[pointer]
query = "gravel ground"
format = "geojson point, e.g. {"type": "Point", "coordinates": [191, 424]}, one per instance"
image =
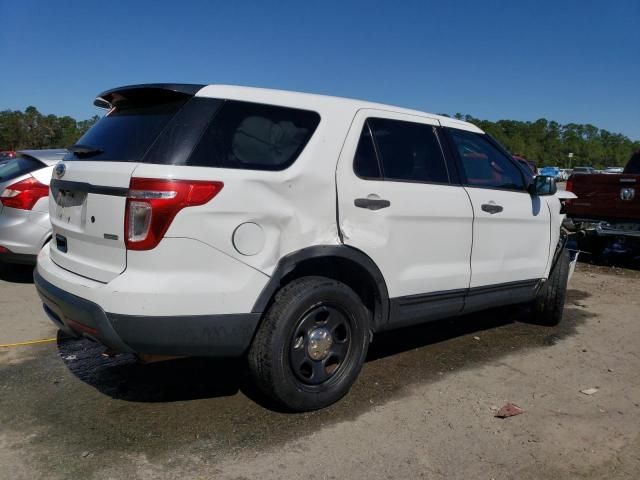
{"type": "Point", "coordinates": [423, 407]}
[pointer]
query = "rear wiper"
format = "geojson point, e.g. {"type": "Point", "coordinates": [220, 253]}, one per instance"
{"type": "Point", "coordinates": [85, 150]}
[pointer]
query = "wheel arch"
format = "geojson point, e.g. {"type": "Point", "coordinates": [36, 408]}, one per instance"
{"type": "Point", "coordinates": [339, 262]}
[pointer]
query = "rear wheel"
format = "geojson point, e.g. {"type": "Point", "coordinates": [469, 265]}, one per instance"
{"type": "Point", "coordinates": [311, 344]}
{"type": "Point", "coordinates": [548, 306]}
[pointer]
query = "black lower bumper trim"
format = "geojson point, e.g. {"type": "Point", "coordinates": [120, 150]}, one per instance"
{"type": "Point", "coordinates": [19, 258]}
{"type": "Point", "coordinates": [194, 335]}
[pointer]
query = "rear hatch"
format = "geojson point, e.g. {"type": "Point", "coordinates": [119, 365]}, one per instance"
{"type": "Point", "coordinates": [89, 188]}
{"type": "Point", "coordinates": [604, 197]}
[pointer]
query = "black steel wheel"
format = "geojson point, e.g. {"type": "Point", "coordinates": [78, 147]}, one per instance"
{"type": "Point", "coordinates": [320, 344]}
{"type": "Point", "coordinates": [311, 344]}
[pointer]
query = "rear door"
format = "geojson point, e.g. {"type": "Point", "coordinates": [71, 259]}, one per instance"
{"type": "Point", "coordinates": [397, 204]}
{"type": "Point", "coordinates": [511, 228]}
{"type": "Point", "coordinates": [89, 188]}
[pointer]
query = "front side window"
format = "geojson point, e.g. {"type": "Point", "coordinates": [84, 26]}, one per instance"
{"type": "Point", "coordinates": [254, 136]}
{"type": "Point", "coordinates": [484, 164]}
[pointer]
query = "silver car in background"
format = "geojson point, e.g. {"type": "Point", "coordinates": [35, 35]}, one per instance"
{"type": "Point", "coordinates": [24, 206]}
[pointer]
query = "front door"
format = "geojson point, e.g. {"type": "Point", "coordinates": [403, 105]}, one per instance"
{"type": "Point", "coordinates": [511, 228]}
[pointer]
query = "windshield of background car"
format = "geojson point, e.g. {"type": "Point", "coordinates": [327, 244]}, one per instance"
{"type": "Point", "coordinates": [16, 167]}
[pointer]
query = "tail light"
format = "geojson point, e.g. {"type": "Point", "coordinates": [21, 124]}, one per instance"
{"type": "Point", "coordinates": [569, 186]}
{"type": "Point", "coordinates": [24, 194]}
{"type": "Point", "coordinates": [152, 204]}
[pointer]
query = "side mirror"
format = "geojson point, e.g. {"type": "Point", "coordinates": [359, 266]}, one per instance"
{"type": "Point", "coordinates": [543, 185]}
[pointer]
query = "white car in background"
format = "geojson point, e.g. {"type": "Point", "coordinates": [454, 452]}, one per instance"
{"type": "Point", "coordinates": [24, 206]}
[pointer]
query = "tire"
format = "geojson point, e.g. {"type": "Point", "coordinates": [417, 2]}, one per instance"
{"type": "Point", "coordinates": [548, 306]}
{"type": "Point", "coordinates": [311, 344]}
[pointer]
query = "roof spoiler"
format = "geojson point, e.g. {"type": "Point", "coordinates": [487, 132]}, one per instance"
{"type": "Point", "coordinates": [149, 92]}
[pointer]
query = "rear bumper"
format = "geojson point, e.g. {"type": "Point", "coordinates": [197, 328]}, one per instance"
{"type": "Point", "coordinates": [20, 258]}
{"type": "Point", "coordinates": [196, 335]}
{"type": "Point", "coordinates": [623, 230]}
{"type": "Point", "coordinates": [607, 228]}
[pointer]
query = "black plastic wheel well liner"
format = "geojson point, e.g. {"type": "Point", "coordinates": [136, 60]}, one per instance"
{"type": "Point", "coordinates": [562, 243]}
{"type": "Point", "coordinates": [339, 262]}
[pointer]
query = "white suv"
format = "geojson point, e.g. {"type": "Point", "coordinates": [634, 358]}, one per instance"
{"type": "Point", "coordinates": [290, 228]}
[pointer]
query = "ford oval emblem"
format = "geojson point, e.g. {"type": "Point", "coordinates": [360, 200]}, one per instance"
{"type": "Point", "coordinates": [60, 170]}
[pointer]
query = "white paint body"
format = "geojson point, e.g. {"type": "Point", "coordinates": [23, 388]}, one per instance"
{"type": "Point", "coordinates": [218, 257]}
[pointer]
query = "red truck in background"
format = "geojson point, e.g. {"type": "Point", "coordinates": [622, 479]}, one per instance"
{"type": "Point", "coordinates": [607, 210]}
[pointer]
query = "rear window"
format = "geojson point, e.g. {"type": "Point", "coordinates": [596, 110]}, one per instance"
{"type": "Point", "coordinates": [199, 132]}
{"type": "Point", "coordinates": [127, 132]}
{"type": "Point", "coordinates": [16, 167]}
{"type": "Point", "coordinates": [633, 167]}
{"type": "Point", "coordinates": [254, 136]}
{"type": "Point", "coordinates": [409, 151]}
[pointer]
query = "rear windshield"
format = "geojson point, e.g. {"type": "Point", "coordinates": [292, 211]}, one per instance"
{"type": "Point", "coordinates": [16, 167]}
{"type": "Point", "coordinates": [127, 132]}
{"type": "Point", "coordinates": [201, 132]}
{"type": "Point", "coordinates": [633, 167]}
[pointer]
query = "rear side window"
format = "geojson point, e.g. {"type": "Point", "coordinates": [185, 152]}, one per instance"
{"type": "Point", "coordinates": [16, 167]}
{"type": "Point", "coordinates": [254, 136]}
{"type": "Point", "coordinates": [365, 163]}
{"type": "Point", "coordinates": [484, 164]}
{"type": "Point", "coordinates": [127, 132]}
{"type": "Point", "coordinates": [409, 151]}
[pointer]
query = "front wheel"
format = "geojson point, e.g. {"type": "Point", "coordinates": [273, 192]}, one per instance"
{"type": "Point", "coordinates": [311, 344]}
{"type": "Point", "coordinates": [548, 306]}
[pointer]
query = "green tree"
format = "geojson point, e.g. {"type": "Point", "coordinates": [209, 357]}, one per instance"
{"type": "Point", "coordinates": [32, 130]}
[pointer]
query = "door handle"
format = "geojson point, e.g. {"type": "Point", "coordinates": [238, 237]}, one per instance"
{"type": "Point", "coordinates": [491, 208]}
{"type": "Point", "coordinates": [371, 203]}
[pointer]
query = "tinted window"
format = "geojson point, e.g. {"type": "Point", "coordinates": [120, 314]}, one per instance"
{"type": "Point", "coordinates": [254, 136]}
{"type": "Point", "coordinates": [409, 151]}
{"type": "Point", "coordinates": [365, 163]}
{"type": "Point", "coordinates": [17, 167]}
{"type": "Point", "coordinates": [125, 134]}
{"type": "Point", "coordinates": [633, 166]}
{"type": "Point", "coordinates": [484, 164]}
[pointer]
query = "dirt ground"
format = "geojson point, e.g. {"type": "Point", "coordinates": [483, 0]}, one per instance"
{"type": "Point", "coordinates": [423, 407]}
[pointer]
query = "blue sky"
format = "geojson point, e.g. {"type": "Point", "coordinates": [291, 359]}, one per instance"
{"type": "Point", "coordinates": [566, 60]}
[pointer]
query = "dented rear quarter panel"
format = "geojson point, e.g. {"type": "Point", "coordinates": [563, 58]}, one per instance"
{"type": "Point", "coordinates": [295, 207]}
